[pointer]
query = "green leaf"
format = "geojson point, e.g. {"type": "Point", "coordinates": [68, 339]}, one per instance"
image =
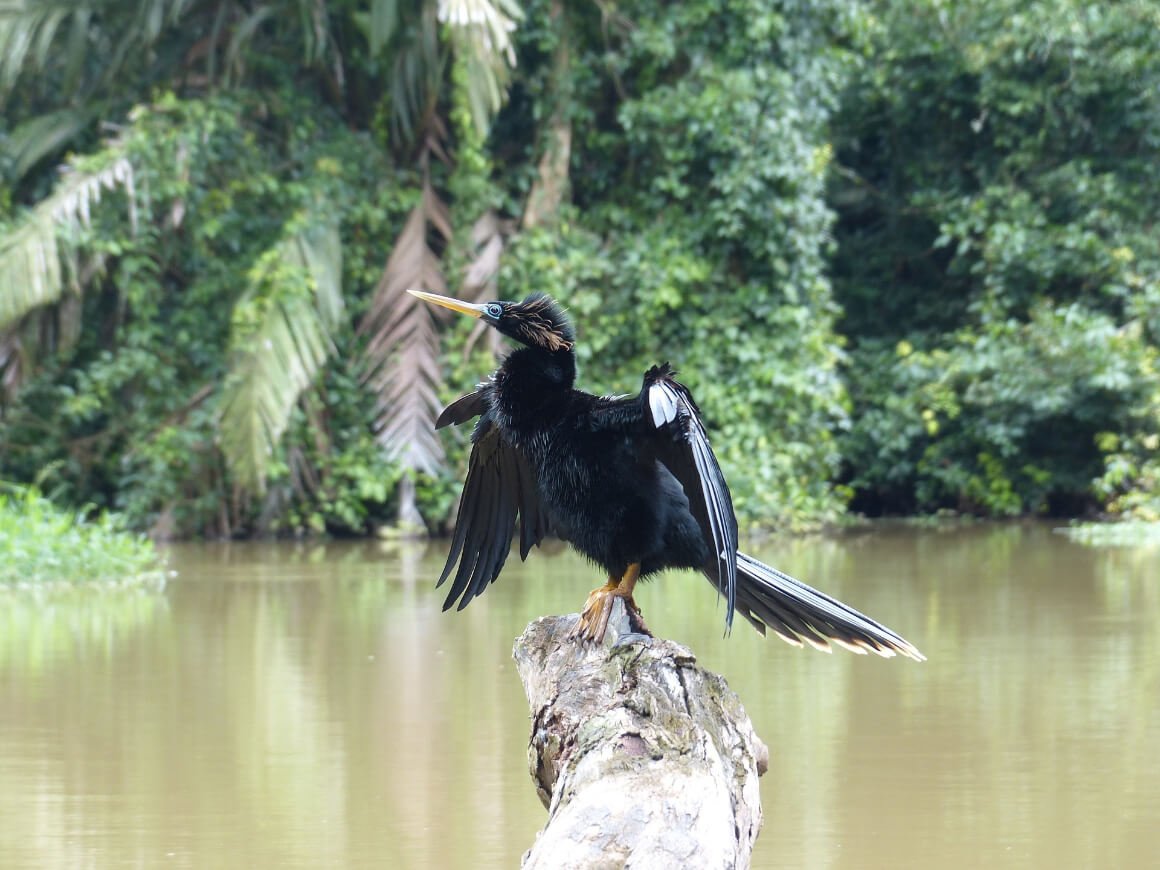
{"type": "Point", "coordinates": [38, 137]}
{"type": "Point", "coordinates": [31, 274]}
{"type": "Point", "coordinates": [282, 337]}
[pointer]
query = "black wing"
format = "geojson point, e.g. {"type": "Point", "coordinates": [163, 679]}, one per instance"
{"type": "Point", "coordinates": [463, 409]}
{"type": "Point", "coordinates": [673, 422]}
{"type": "Point", "coordinates": [763, 595]}
{"type": "Point", "coordinates": [500, 485]}
{"type": "Point", "coordinates": [687, 454]}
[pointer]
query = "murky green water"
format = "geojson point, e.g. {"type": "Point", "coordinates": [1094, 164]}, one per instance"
{"type": "Point", "coordinates": [310, 706]}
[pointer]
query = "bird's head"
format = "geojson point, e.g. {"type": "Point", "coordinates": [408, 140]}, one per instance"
{"type": "Point", "coordinates": [538, 321]}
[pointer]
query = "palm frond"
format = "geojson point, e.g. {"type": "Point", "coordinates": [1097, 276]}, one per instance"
{"type": "Point", "coordinates": [242, 34]}
{"type": "Point", "coordinates": [551, 184]}
{"type": "Point", "coordinates": [11, 363]}
{"type": "Point", "coordinates": [416, 69]}
{"type": "Point", "coordinates": [315, 29]}
{"type": "Point", "coordinates": [489, 236]}
{"type": "Point", "coordinates": [402, 354]}
{"type": "Point", "coordinates": [27, 29]}
{"type": "Point", "coordinates": [382, 22]}
{"type": "Point", "coordinates": [30, 33]}
{"type": "Point", "coordinates": [494, 21]}
{"type": "Point", "coordinates": [34, 139]}
{"type": "Point", "coordinates": [282, 337]}
{"type": "Point", "coordinates": [32, 260]}
{"type": "Point", "coordinates": [482, 32]}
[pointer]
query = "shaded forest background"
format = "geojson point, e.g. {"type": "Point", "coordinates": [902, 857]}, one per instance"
{"type": "Point", "coordinates": [904, 253]}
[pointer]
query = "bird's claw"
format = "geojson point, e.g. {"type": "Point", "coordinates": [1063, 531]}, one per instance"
{"type": "Point", "coordinates": [593, 622]}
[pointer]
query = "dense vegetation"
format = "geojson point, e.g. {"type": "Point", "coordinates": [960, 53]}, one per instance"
{"type": "Point", "coordinates": [997, 259]}
{"type": "Point", "coordinates": [213, 208]}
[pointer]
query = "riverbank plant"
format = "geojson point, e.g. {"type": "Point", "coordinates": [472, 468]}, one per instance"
{"type": "Point", "coordinates": [41, 544]}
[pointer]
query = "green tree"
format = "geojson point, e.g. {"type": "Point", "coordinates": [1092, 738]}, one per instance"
{"type": "Point", "coordinates": [184, 349]}
{"type": "Point", "coordinates": [997, 262]}
{"type": "Point", "coordinates": [698, 227]}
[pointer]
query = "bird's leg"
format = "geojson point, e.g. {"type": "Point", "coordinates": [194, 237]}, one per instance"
{"type": "Point", "coordinates": [594, 617]}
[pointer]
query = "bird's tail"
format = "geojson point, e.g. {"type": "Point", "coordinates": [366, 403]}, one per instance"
{"type": "Point", "coordinates": [799, 613]}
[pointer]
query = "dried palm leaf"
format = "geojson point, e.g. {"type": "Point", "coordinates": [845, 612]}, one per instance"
{"type": "Point", "coordinates": [489, 236]}
{"type": "Point", "coordinates": [402, 353]}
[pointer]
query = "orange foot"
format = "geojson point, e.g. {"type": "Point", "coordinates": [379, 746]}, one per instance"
{"type": "Point", "coordinates": [594, 617]}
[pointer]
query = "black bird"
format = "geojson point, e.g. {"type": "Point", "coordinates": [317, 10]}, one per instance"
{"type": "Point", "coordinates": [630, 481]}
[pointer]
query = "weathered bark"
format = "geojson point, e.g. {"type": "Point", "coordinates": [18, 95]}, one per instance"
{"type": "Point", "coordinates": [643, 758]}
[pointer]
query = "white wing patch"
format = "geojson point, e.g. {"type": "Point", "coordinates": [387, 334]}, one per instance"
{"type": "Point", "coordinates": [662, 401]}
{"type": "Point", "coordinates": [670, 405]}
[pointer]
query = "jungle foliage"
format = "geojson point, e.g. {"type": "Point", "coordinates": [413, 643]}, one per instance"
{"type": "Point", "coordinates": [997, 258]}
{"type": "Point", "coordinates": [212, 208]}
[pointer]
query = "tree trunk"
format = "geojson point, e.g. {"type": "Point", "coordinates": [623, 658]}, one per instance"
{"type": "Point", "coordinates": [642, 758]}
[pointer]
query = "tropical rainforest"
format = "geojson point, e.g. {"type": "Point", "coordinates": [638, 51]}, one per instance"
{"type": "Point", "coordinates": [904, 254]}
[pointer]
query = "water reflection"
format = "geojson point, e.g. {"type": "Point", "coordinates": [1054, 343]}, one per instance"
{"type": "Point", "coordinates": [310, 706]}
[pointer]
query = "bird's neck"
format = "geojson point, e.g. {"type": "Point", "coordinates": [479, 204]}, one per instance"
{"type": "Point", "coordinates": [533, 384]}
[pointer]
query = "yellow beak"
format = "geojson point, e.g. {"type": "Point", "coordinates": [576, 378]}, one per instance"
{"type": "Point", "coordinates": [447, 302]}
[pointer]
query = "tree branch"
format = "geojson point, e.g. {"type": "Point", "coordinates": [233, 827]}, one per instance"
{"type": "Point", "coordinates": [641, 756]}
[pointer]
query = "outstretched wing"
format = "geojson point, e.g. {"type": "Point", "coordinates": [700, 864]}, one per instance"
{"type": "Point", "coordinates": [683, 447]}
{"type": "Point", "coordinates": [500, 486]}
{"type": "Point", "coordinates": [672, 427]}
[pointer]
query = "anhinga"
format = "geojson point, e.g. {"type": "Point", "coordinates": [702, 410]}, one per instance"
{"type": "Point", "coordinates": [629, 481]}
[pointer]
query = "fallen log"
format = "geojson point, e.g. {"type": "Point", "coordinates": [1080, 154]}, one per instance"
{"type": "Point", "coordinates": [642, 758]}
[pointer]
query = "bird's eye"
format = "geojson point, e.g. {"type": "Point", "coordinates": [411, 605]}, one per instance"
{"type": "Point", "coordinates": [494, 310]}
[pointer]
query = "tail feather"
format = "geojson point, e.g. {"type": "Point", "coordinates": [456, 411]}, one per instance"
{"type": "Point", "coordinates": [799, 613]}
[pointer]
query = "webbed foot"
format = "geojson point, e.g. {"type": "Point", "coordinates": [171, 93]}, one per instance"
{"type": "Point", "coordinates": [593, 622]}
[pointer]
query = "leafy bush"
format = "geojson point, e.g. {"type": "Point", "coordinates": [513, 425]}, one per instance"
{"type": "Point", "coordinates": [45, 545]}
{"type": "Point", "coordinates": [1009, 421]}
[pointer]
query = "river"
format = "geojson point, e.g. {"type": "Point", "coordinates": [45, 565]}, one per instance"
{"type": "Point", "coordinates": [309, 706]}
